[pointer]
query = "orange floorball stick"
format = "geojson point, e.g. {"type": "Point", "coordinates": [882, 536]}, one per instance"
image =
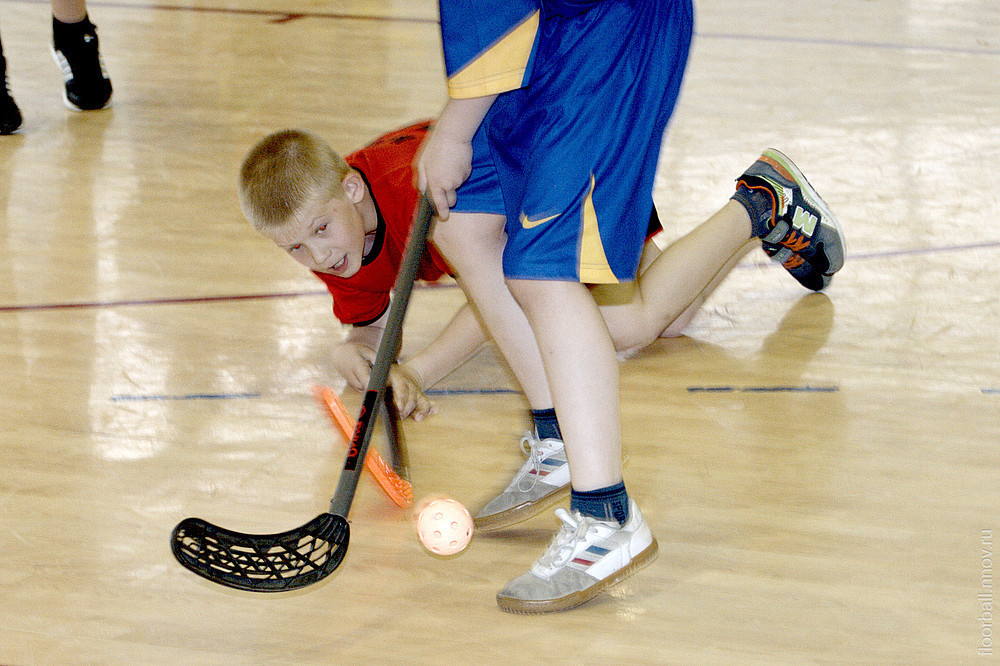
{"type": "Point", "coordinates": [397, 488]}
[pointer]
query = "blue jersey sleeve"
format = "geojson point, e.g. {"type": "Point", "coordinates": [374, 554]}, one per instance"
{"type": "Point", "coordinates": [489, 46]}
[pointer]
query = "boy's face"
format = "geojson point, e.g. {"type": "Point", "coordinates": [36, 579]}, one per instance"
{"type": "Point", "coordinates": [327, 235]}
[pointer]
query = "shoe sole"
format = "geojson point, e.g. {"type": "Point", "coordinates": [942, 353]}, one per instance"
{"type": "Point", "coordinates": [521, 512]}
{"type": "Point", "coordinates": [532, 607]}
{"type": "Point", "coordinates": [828, 220]}
{"type": "Point", "coordinates": [73, 107]}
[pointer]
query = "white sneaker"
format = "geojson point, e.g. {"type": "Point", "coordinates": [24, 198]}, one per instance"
{"type": "Point", "coordinates": [542, 481]}
{"type": "Point", "coordinates": [586, 557]}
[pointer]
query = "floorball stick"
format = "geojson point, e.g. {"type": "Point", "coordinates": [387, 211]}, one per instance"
{"type": "Point", "coordinates": [307, 554]}
{"type": "Point", "coordinates": [400, 460]}
{"type": "Point", "coordinates": [396, 487]}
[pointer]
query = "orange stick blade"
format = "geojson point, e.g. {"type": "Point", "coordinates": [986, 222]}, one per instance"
{"type": "Point", "coordinates": [397, 488]}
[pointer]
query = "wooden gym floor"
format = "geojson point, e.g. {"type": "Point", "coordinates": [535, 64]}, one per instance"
{"type": "Point", "coordinates": [821, 471]}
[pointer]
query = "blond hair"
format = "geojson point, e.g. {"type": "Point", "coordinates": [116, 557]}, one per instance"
{"type": "Point", "coordinates": [284, 172]}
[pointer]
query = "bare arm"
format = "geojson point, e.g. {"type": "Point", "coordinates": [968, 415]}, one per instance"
{"type": "Point", "coordinates": [459, 340]}
{"type": "Point", "coordinates": [446, 158]}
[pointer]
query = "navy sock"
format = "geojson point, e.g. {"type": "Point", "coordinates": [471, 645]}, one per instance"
{"type": "Point", "coordinates": [759, 207]}
{"type": "Point", "coordinates": [604, 503]}
{"type": "Point", "coordinates": [546, 424]}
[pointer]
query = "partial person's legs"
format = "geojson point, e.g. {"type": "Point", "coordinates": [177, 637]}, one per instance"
{"type": "Point", "coordinates": [798, 229]}
{"type": "Point", "coordinates": [604, 538]}
{"type": "Point", "coordinates": [69, 11]}
{"type": "Point", "coordinates": [579, 359]}
{"type": "Point", "coordinates": [473, 243]}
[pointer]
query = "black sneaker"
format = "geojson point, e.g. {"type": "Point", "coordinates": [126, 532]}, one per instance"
{"type": "Point", "coordinates": [88, 86]}
{"type": "Point", "coordinates": [10, 115]}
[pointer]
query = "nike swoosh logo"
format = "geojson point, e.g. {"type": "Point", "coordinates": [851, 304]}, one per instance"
{"type": "Point", "coordinates": [531, 224]}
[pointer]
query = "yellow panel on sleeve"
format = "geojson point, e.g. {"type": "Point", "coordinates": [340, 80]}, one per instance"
{"type": "Point", "coordinates": [594, 268]}
{"type": "Point", "coordinates": [500, 67]}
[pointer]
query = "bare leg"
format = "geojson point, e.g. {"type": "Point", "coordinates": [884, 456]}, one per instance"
{"type": "Point", "coordinates": [580, 361]}
{"type": "Point", "coordinates": [677, 282]}
{"type": "Point", "coordinates": [69, 11]}
{"type": "Point", "coordinates": [473, 243]}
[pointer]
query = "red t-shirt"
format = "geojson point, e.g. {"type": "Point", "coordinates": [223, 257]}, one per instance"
{"type": "Point", "coordinates": [387, 168]}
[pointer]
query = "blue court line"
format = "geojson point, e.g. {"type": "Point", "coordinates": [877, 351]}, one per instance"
{"type": "Point", "coordinates": [164, 397]}
{"type": "Point", "coordinates": [986, 245]}
{"type": "Point", "coordinates": [886, 254]}
{"type": "Point", "coordinates": [488, 391]}
{"type": "Point", "coordinates": [184, 396]}
{"type": "Point", "coordinates": [819, 41]}
{"type": "Point", "coordinates": [473, 391]}
{"type": "Point", "coordinates": [763, 389]}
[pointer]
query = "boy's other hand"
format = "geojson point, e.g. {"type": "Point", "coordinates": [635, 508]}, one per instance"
{"type": "Point", "coordinates": [407, 387]}
{"type": "Point", "coordinates": [354, 363]}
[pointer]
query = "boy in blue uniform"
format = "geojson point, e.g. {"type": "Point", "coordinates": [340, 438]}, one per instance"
{"type": "Point", "coordinates": [562, 109]}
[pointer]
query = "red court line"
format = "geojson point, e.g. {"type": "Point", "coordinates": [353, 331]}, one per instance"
{"type": "Point", "coordinates": [94, 305]}
{"type": "Point", "coordinates": [279, 15]}
{"type": "Point", "coordinates": [284, 16]}
{"type": "Point", "coordinates": [158, 301]}
{"type": "Point", "coordinates": [424, 285]}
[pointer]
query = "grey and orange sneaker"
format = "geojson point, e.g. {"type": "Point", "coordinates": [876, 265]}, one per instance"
{"type": "Point", "coordinates": [792, 216]}
{"type": "Point", "coordinates": [799, 268]}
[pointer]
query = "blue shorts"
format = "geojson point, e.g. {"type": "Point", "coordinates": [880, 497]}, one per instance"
{"type": "Point", "coordinates": [480, 193]}
{"type": "Point", "coordinates": [576, 149]}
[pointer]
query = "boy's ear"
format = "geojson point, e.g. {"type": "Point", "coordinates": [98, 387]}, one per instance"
{"type": "Point", "coordinates": [353, 186]}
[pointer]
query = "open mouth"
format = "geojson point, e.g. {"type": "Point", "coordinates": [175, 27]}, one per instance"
{"type": "Point", "coordinates": [339, 266]}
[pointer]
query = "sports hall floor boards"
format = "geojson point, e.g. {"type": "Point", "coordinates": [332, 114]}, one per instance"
{"type": "Point", "coordinates": [821, 470]}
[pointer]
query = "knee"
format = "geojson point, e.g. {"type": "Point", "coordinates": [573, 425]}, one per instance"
{"type": "Point", "coordinates": [464, 234]}
{"type": "Point", "coordinates": [444, 236]}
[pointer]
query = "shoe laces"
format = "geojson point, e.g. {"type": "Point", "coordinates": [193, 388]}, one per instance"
{"type": "Point", "coordinates": [575, 527]}
{"type": "Point", "coordinates": [536, 450]}
{"type": "Point", "coordinates": [796, 241]}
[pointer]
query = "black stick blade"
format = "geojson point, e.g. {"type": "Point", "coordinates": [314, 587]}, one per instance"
{"type": "Point", "coordinates": [262, 562]}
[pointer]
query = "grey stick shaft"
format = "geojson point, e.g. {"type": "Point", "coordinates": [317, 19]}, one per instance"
{"type": "Point", "coordinates": [384, 358]}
